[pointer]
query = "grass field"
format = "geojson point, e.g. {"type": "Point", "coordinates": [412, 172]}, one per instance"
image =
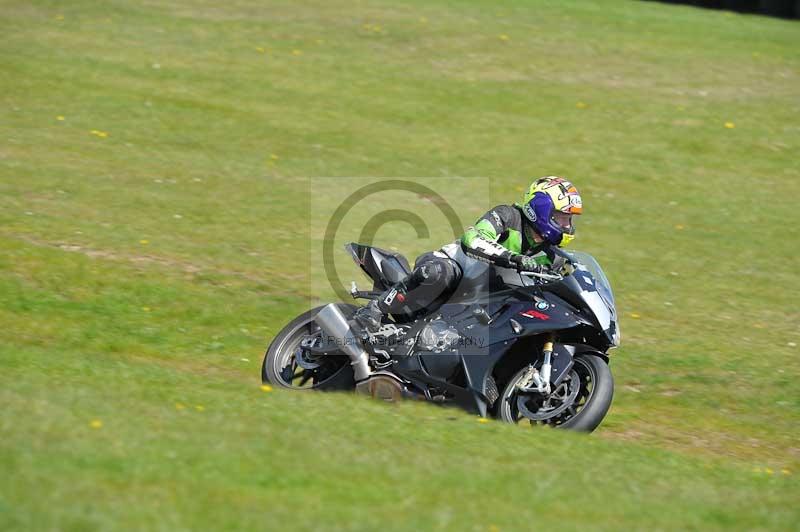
{"type": "Point", "coordinates": [160, 167]}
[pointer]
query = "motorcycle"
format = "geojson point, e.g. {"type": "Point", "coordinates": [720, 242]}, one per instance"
{"type": "Point", "coordinates": [523, 347]}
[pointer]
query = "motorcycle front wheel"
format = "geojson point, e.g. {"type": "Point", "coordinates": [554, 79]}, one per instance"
{"type": "Point", "coordinates": [580, 402]}
{"type": "Point", "coordinates": [282, 367]}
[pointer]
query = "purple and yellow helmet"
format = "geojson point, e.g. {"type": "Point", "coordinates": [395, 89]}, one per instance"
{"type": "Point", "coordinates": [550, 204]}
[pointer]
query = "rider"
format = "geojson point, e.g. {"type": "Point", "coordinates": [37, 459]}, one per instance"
{"type": "Point", "coordinates": [508, 236]}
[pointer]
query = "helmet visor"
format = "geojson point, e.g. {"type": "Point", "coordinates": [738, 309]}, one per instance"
{"type": "Point", "coordinates": [565, 221]}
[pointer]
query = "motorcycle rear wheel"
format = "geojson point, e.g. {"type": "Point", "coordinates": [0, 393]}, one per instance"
{"type": "Point", "coordinates": [280, 367]}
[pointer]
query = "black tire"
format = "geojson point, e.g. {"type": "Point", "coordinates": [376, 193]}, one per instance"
{"type": "Point", "coordinates": [590, 368]}
{"type": "Point", "coordinates": [276, 355]}
{"type": "Point", "coordinates": [599, 402]}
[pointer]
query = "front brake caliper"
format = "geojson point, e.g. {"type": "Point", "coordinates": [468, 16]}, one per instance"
{"type": "Point", "coordinates": [527, 380]}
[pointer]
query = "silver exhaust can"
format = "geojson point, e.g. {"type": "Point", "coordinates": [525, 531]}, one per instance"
{"type": "Point", "coordinates": [335, 325]}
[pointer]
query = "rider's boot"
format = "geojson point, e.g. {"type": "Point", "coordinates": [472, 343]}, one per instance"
{"type": "Point", "coordinates": [369, 316]}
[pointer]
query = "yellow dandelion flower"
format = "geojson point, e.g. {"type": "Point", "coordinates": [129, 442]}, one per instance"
{"type": "Point", "coordinates": [581, 105]}
{"type": "Point", "coordinates": [730, 125]}
{"type": "Point", "coordinates": [786, 472]}
{"type": "Point", "coordinates": [423, 20]}
{"type": "Point", "coordinates": [199, 408]}
{"type": "Point", "coordinates": [95, 423]}
{"type": "Point", "coordinates": [60, 118]}
{"type": "Point", "coordinates": [297, 52]}
{"type": "Point", "coordinates": [144, 242]}
{"type": "Point", "coordinates": [179, 406]}
{"type": "Point", "coordinates": [503, 37]}
{"type": "Point", "coordinates": [146, 309]}
{"type": "Point", "coordinates": [98, 133]}
{"type": "Point", "coordinates": [679, 227]}
{"type": "Point", "coordinates": [482, 420]}
{"type": "Point", "coordinates": [266, 388]}
{"type": "Point", "coordinates": [634, 315]}
{"type": "Point", "coordinates": [769, 471]}
{"type": "Point", "coordinates": [273, 157]}
{"type": "Point", "coordinates": [260, 50]}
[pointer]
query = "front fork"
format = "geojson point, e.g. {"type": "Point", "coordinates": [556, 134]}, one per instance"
{"type": "Point", "coordinates": [535, 380]}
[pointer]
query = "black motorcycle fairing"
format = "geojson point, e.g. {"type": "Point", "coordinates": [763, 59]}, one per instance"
{"type": "Point", "coordinates": [534, 318]}
{"type": "Point", "coordinates": [411, 369]}
{"type": "Point", "coordinates": [439, 365]}
{"type": "Point", "coordinates": [385, 268]}
{"type": "Point", "coordinates": [535, 314]}
{"type": "Point", "coordinates": [571, 289]}
{"type": "Point", "coordinates": [483, 345]}
{"type": "Point", "coordinates": [478, 367]}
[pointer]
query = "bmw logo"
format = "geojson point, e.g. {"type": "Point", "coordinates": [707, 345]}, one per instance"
{"type": "Point", "coordinates": [542, 305]}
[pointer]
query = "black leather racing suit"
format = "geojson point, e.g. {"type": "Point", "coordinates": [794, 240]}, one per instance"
{"type": "Point", "coordinates": [498, 237]}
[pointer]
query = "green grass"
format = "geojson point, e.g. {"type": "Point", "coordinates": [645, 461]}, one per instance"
{"type": "Point", "coordinates": [143, 272]}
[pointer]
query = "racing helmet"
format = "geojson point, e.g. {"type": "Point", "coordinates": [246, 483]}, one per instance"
{"type": "Point", "coordinates": [550, 204]}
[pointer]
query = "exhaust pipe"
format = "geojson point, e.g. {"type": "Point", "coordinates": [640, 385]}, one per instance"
{"type": "Point", "coordinates": [335, 325]}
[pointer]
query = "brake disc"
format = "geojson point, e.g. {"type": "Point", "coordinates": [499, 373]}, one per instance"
{"type": "Point", "coordinates": [546, 412]}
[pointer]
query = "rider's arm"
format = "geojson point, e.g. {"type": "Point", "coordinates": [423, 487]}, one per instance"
{"type": "Point", "coordinates": [481, 240]}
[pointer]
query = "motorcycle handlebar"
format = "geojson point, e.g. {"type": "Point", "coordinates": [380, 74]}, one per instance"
{"type": "Point", "coordinates": [546, 276]}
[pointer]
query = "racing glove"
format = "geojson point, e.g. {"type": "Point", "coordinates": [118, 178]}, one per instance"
{"type": "Point", "coordinates": [525, 263]}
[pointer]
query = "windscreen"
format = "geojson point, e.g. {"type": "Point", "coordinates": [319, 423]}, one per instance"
{"type": "Point", "coordinates": [603, 285]}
